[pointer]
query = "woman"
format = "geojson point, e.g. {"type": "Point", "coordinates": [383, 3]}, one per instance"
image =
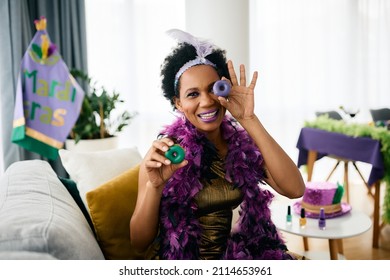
{"type": "Point", "coordinates": [184, 211]}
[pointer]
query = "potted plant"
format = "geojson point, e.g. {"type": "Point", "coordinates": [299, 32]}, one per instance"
{"type": "Point", "coordinates": [96, 119]}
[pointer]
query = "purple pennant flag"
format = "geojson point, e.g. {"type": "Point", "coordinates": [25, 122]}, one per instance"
{"type": "Point", "coordinates": [48, 98]}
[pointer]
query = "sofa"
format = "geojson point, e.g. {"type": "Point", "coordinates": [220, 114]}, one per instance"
{"type": "Point", "coordinates": [84, 217]}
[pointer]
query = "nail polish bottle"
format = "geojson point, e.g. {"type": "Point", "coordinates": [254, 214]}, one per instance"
{"type": "Point", "coordinates": [288, 216]}
{"type": "Point", "coordinates": [321, 220]}
{"type": "Point", "coordinates": [302, 220]}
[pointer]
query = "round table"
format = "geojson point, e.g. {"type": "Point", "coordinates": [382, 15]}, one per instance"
{"type": "Point", "coordinates": [338, 228]}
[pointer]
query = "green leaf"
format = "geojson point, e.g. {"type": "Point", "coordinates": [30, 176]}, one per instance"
{"type": "Point", "coordinates": [37, 49]}
{"type": "Point", "coordinates": [88, 122]}
{"type": "Point", "coordinates": [338, 194]}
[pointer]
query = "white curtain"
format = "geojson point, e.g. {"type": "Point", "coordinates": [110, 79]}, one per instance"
{"type": "Point", "coordinates": [126, 46]}
{"type": "Point", "coordinates": [311, 55]}
{"type": "Point", "coordinates": [315, 55]}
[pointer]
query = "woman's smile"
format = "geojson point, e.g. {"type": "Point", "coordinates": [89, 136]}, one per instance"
{"type": "Point", "coordinates": [197, 101]}
{"type": "Point", "coordinates": [209, 116]}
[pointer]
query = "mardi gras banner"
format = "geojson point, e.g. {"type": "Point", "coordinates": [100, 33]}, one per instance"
{"type": "Point", "coordinates": [48, 98]}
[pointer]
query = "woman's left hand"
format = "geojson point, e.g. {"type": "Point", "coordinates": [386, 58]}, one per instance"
{"type": "Point", "coordinates": [240, 101]}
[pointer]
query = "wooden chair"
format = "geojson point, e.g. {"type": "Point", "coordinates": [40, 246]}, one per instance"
{"type": "Point", "coordinates": [336, 116]}
{"type": "Point", "coordinates": [331, 114]}
{"type": "Point", "coordinates": [382, 114]}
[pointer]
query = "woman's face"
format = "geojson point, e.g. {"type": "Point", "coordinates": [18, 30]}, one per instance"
{"type": "Point", "coordinates": [197, 101]}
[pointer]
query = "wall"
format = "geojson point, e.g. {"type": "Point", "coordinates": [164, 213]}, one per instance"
{"type": "Point", "coordinates": [224, 22]}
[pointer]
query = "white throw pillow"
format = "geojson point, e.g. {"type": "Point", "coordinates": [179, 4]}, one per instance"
{"type": "Point", "coordinates": [91, 169]}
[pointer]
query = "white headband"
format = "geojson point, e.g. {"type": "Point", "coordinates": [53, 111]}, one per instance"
{"type": "Point", "coordinates": [203, 49]}
{"type": "Point", "coordinates": [189, 64]}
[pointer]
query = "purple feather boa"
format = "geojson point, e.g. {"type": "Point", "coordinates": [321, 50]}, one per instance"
{"type": "Point", "coordinates": [254, 236]}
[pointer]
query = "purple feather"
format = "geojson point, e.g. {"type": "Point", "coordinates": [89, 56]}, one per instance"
{"type": "Point", "coordinates": [52, 48]}
{"type": "Point", "coordinates": [254, 236]}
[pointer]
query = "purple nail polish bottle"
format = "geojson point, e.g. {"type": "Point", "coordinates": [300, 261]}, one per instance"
{"type": "Point", "coordinates": [321, 220]}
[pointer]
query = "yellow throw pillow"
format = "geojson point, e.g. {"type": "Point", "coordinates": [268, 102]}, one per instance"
{"type": "Point", "coordinates": [111, 206]}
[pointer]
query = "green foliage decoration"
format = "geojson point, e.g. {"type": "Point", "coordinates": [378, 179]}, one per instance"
{"type": "Point", "coordinates": [96, 120]}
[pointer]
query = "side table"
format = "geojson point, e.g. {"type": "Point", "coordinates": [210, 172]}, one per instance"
{"type": "Point", "coordinates": [314, 143]}
{"type": "Point", "coordinates": [351, 224]}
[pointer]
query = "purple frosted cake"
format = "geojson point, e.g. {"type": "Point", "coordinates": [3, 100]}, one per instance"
{"type": "Point", "coordinates": [325, 195]}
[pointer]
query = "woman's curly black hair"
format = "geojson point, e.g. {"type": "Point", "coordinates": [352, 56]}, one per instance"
{"type": "Point", "coordinates": [177, 58]}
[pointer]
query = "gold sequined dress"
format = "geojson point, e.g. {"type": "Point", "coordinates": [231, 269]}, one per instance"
{"type": "Point", "coordinates": [216, 202]}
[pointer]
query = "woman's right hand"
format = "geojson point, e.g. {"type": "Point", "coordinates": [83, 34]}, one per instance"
{"type": "Point", "coordinates": [159, 169]}
{"type": "Point", "coordinates": [154, 173]}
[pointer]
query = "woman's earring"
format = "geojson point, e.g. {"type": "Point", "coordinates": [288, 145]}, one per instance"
{"type": "Point", "coordinates": [182, 116]}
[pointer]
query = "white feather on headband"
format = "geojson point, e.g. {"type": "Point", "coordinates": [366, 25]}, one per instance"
{"type": "Point", "coordinates": [203, 47]}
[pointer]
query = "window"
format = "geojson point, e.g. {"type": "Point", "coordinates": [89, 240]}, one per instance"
{"type": "Point", "coordinates": [126, 46]}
